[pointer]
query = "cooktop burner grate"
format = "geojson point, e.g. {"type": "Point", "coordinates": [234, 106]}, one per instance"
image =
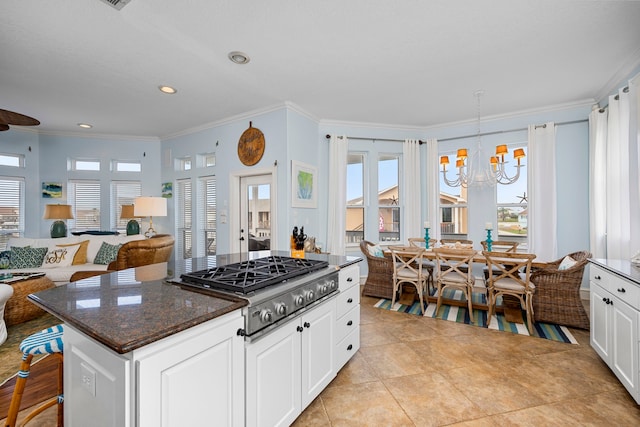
{"type": "Point", "coordinates": [251, 275]}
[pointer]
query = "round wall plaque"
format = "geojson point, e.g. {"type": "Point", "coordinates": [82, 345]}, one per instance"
{"type": "Point", "coordinates": [251, 146]}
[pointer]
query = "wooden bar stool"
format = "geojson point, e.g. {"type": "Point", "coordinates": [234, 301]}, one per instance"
{"type": "Point", "coordinates": [48, 341]}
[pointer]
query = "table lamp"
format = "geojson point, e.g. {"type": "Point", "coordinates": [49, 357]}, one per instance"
{"type": "Point", "coordinates": [150, 206]}
{"type": "Point", "coordinates": [133, 227]}
{"type": "Point", "coordinates": [58, 212]}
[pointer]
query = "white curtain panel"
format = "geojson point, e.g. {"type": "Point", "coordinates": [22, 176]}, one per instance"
{"type": "Point", "coordinates": [542, 218]}
{"type": "Point", "coordinates": [433, 188]}
{"type": "Point", "coordinates": [411, 189]}
{"type": "Point", "coordinates": [336, 215]}
{"type": "Point", "coordinates": [598, 182]}
{"type": "Point", "coordinates": [617, 187]}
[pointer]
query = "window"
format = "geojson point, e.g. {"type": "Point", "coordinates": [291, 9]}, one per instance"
{"type": "Point", "coordinates": [183, 218]}
{"type": "Point", "coordinates": [85, 165]}
{"type": "Point", "coordinates": [355, 198]}
{"type": "Point", "coordinates": [84, 196]}
{"type": "Point", "coordinates": [183, 164]}
{"type": "Point", "coordinates": [388, 198]}
{"type": "Point", "coordinates": [120, 166]}
{"type": "Point", "coordinates": [11, 209]}
{"type": "Point", "coordinates": [512, 205]}
{"type": "Point", "coordinates": [453, 208]}
{"type": "Point", "coordinates": [14, 160]}
{"type": "Point", "coordinates": [209, 214]}
{"type": "Point", "coordinates": [206, 160]}
{"type": "Point", "coordinates": [122, 193]}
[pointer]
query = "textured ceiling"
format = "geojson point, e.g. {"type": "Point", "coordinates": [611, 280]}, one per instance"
{"type": "Point", "coordinates": [411, 63]}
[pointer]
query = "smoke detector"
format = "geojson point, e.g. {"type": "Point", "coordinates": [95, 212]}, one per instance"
{"type": "Point", "coordinates": [118, 4]}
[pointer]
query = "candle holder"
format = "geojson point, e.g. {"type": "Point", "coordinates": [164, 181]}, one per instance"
{"type": "Point", "coordinates": [489, 241]}
{"type": "Point", "coordinates": [426, 237]}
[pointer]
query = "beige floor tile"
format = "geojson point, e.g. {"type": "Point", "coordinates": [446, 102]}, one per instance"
{"type": "Point", "coordinates": [368, 404]}
{"type": "Point", "coordinates": [393, 360]}
{"type": "Point", "coordinates": [431, 400]}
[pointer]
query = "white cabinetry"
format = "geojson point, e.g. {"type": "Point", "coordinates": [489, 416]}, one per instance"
{"type": "Point", "coordinates": [348, 315]}
{"type": "Point", "coordinates": [190, 378]}
{"type": "Point", "coordinates": [615, 316]}
{"type": "Point", "coordinates": [288, 367]}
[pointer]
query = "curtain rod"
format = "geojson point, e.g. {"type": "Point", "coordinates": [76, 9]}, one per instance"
{"type": "Point", "coordinates": [328, 136]}
{"type": "Point", "coordinates": [465, 136]}
{"type": "Point", "coordinates": [510, 130]}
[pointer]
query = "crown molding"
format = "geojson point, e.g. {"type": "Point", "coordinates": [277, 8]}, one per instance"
{"type": "Point", "coordinates": [620, 78]}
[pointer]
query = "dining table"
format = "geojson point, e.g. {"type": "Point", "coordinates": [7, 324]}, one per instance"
{"type": "Point", "coordinates": [510, 307]}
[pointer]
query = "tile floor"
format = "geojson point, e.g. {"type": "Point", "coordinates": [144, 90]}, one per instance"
{"type": "Point", "coordinates": [416, 371]}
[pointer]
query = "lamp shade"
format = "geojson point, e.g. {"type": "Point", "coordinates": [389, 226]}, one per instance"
{"type": "Point", "coordinates": [127, 212]}
{"type": "Point", "coordinates": [57, 212]}
{"type": "Point", "coordinates": [150, 206]}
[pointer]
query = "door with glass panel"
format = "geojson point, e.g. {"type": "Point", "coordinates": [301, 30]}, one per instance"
{"type": "Point", "coordinates": [255, 213]}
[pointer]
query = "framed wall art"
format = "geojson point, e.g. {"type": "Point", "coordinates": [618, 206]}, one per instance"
{"type": "Point", "coordinates": [304, 179]}
{"type": "Point", "coordinates": [51, 190]}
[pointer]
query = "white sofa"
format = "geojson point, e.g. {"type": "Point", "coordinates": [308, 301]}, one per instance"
{"type": "Point", "coordinates": [5, 293]}
{"type": "Point", "coordinates": [61, 274]}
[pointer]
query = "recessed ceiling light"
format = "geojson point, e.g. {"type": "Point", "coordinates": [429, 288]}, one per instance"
{"type": "Point", "coordinates": [167, 89]}
{"type": "Point", "coordinates": [239, 57]}
{"type": "Point", "coordinates": [85, 125]}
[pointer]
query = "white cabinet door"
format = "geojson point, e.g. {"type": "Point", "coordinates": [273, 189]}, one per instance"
{"type": "Point", "coordinates": [289, 367]}
{"type": "Point", "coordinates": [273, 383]}
{"type": "Point", "coordinates": [318, 362]}
{"type": "Point", "coordinates": [193, 377]}
{"type": "Point", "coordinates": [600, 322]}
{"type": "Point", "coordinates": [624, 355]}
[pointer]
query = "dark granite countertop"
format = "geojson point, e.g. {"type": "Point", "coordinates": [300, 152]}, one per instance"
{"type": "Point", "coordinates": [621, 267]}
{"type": "Point", "coordinates": [128, 309]}
{"type": "Point", "coordinates": [131, 308]}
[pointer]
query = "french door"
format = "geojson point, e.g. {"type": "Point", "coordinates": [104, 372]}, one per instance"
{"type": "Point", "coordinates": [254, 228]}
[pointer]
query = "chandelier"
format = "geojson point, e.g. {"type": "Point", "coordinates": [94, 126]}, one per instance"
{"type": "Point", "coordinates": [474, 170]}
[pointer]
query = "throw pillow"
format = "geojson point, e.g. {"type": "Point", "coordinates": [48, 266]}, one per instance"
{"type": "Point", "coordinates": [106, 253]}
{"type": "Point", "coordinates": [567, 262]}
{"type": "Point", "coordinates": [60, 256]}
{"type": "Point", "coordinates": [27, 257]}
{"type": "Point", "coordinates": [81, 255]}
{"type": "Point", "coordinates": [5, 259]}
{"type": "Point", "coordinates": [376, 250]}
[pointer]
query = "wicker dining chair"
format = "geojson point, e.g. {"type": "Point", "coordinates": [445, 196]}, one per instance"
{"type": "Point", "coordinates": [379, 282]}
{"type": "Point", "coordinates": [513, 279]}
{"type": "Point", "coordinates": [557, 299]}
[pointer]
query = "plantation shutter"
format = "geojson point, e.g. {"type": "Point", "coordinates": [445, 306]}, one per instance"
{"type": "Point", "coordinates": [84, 196]}
{"type": "Point", "coordinates": [122, 193]}
{"type": "Point", "coordinates": [11, 209]}
{"type": "Point", "coordinates": [183, 218]}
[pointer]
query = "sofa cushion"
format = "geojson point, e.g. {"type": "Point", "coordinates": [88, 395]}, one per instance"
{"type": "Point", "coordinates": [95, 242]}
{"type": "Point", "coordinates": [27, 257]}
{"type": "Point", "coordinates": [81, 254]}
{"type": "Point", "coordinates": [5, 259]}
{"type": "Point", "coordinates": [107, 253]}
{"type": "Point", "coordinates": [60, 256]}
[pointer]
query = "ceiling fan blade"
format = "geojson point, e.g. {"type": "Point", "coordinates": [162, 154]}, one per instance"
{"type": "Point", "coordinates": [3, 127]}
{"type": "Point", "coordinates": [11, 118]}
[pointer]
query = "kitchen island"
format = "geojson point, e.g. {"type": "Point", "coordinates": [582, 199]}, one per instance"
{"type": "Point", "coordinates": [141, 350]}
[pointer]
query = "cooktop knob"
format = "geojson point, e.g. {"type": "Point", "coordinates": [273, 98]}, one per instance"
{"type": "Point", "coordinates": [298, 300]}
{"type": "Point", "coordinates": [309, 296]}
{"type": "Point", "coordinates": [266, 315]}
{"type": "Point", "coordinates": [324, 288]}
{"type": "Point", "coordinates": [281, 309]}
{"type": "Point", "coordinates": [332, 285]}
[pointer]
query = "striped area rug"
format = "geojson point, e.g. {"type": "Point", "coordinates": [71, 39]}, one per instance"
{"type": "Point", "coordinates": [498, 322]}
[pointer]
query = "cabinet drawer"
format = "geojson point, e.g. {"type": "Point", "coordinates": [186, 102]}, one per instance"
{"type": "Point", "coordinates": [616, 285]}
{"type": "Point", "coordinates": [347, 323]}
{"type": "Point", "coordinates": [347, 348]}
{"type": "Point", "coordinates": [347, 300]}
{"type": "Point", "coordinates": [348, 277]}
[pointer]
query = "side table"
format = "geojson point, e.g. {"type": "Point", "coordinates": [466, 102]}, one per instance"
{"type": "Point", "coordinates": [18, 308]}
